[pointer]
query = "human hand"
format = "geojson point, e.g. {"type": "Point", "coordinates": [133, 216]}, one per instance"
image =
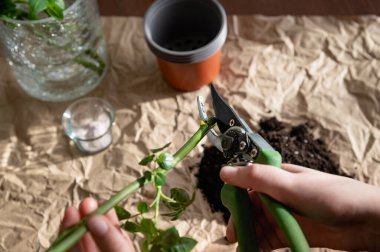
{"type": "Point", "coordinates": [105, 233]}
{"type": "Point", "coordinates": [333, 211]}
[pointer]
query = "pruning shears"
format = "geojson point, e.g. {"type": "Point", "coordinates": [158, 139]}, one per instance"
{"type": "Point", "coordinates": [241, 145]}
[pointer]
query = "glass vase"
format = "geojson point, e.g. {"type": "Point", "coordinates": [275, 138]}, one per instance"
{"type": "Point", "coordinates": [57, 60]}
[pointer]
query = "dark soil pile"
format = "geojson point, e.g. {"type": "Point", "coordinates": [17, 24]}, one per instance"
{"type": "Point", "coordinates": [296, 145]}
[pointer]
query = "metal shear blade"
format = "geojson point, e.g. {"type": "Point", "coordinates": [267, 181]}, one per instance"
{"type": "Point", "coordinates": [226, 117]}
{"type": "Point", "coordinates": [212, 135]}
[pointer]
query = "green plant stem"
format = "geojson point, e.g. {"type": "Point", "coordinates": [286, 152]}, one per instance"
{"type": "Point", "coordinates": [193, 141]}
{"type": "Point", "coordinates": [153, 202]}
{"type": "Point", "coordinates": [166, 197]}
{"type": "Point", "coordinates": [157, 204]}
{"type": "Point", "coordinates": [66, 241]}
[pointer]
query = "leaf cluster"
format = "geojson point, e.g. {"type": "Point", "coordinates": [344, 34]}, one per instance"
{"type": "Point", "coordinates": [164, 161]}
{"type": "Point", "coordinates": [180, 200]}
{"type": "Point", "coordinates": [90, 59]}
{"type": "Point", "coordinates": [8, 10]}
{"type": "Point", "coordinates": [31, 9]}
{"type": "Point", "coordinates": [155, 238]}
{"type": "Point", "coordinates": [158, 240]}
{"type": "Point", "coordinates": [168, 240]}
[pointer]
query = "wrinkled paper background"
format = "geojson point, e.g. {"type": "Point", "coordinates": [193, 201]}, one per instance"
{"type": "Point", "coordinates": [323, 70]}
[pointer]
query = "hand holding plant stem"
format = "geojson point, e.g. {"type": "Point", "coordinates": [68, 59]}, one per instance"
{"type": "Point", "coordinates": [178, 200]}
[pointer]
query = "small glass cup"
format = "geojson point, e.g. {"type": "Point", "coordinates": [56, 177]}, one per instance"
{"type": "Point", "coordinates": [88, 122]}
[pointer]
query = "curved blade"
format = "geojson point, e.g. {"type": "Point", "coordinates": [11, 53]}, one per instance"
{"type": "Point", "coordinates": [226, 117]}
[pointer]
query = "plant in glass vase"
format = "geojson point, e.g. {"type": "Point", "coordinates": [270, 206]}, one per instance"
{"type": "Point", "coordinates": [54, 47]}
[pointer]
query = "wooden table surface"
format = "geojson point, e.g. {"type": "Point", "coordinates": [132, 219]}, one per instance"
{"type": "Point", "coordinates": [265, 7]}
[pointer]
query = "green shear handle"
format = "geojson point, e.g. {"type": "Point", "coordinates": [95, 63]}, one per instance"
{"type": "Point", "coordinates": [238, 203]}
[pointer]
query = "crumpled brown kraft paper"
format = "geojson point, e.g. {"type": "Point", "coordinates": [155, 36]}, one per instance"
{"type": "Point", "coordinates": [323, 70]}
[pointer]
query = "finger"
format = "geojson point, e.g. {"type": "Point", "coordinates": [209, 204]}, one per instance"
{"type": "Point", "coordinates": [107, 236]}
{"type": "Point", "coordinates": [230, 231]}
{"type": "Point", "coordinates": [111, 215]}
{"type": "Point", "coordinates": [70, 218]}
{"type": "Point", "coordinates": [87, 206]}
{"type": "Point", "coordinates": [295, 168]}
{"type": "Point", "coordinates": [262, 178]}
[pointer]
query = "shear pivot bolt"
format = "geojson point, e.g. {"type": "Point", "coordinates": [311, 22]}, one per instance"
{"type": "Point", "coordinates": [232, 122]}
{"type": "Point", "coordinates": [242, 145]}
{"type": "Point", "coordinates": [254, 152]}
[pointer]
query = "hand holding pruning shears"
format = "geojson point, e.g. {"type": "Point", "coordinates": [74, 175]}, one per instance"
{"type": "Point", "coordinates": [242, 146]}
{"type": "Point", "coordinates": [333, 211]}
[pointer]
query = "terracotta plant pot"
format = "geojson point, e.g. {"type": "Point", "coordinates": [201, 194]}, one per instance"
{"type": "Point", "coordinates": [186, 36]}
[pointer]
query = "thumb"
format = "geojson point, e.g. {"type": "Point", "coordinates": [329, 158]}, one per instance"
{"type": "Point", "coordinates": [261, 178]}
{"type": "Point", "coordinates": [107, 236]}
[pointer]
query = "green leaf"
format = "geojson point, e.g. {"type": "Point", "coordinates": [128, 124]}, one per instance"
{"type": "Point", "coordinates": [148, 228]}
{"type": "Point", "coordinates": [184, 244]}
{"type": "Point", "coordinates": [161, 148]}
{"type": "Point", "coordinates": [142, 207]}
{"type": "Point", "coordinates": [54, 9]}
{"type": "Point", "coordinates": [181, 198]}
{"type": "Point", "coordinates": [173, 205]}
{"type": "Point", "coordinates": [173, 215]}
{"type": "Point", "coordinates": [90, 59]}
{"type": "Point", "coordinates": [60, 3]}
{"type": "Point", "coordinates": [131, 227]}
{"type": "Point", "coordinates": [146, 160]}
{"type": "Point", "coordinates": [165, 240]}
{"type": "Point", "coordinates": [169, 236]}
{"type": "Point", "coordinates": [144, 246]}
{"type": "Point", "coordinates": [7, 8]}
{"type": "Point", "coordinates": [169, 240]}
{"type": "Point", "coordinates": [159, 179]}
{"type": "Point", "coordinates": [148, 175]}
{"type": "Point", "coordinates": [182, 201]}
{"type": "Point", "coordinates": [165, 161]}
{"type": "Point", "coordinates": [36, 6]}
{"type": "Point", "coordinates": [121, 213]}
{"type": "Point", "coordinates": [180, 195]}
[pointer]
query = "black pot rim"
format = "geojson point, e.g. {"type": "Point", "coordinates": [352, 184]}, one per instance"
{"type": "Point", "coordinates": [191, 56]}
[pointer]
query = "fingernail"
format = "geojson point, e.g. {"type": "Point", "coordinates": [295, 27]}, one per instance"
{"type": "Point", "coordinates": [92, 203]}
{"type": "Point", "coordinates": [88, 205]}
{"type": "Point", "coordinates": [97, 225]}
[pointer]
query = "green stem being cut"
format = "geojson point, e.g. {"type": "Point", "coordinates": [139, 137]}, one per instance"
{"type": "Point", "coordinates": [71, 236]}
